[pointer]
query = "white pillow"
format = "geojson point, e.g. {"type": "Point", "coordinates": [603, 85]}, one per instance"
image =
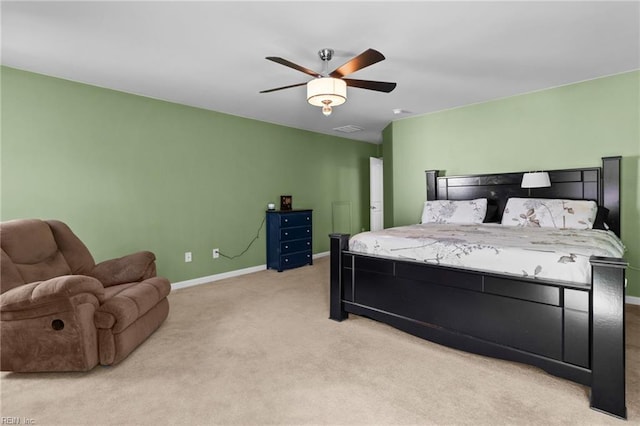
{"type": "Point", "coordinates": [448, 211]}
{"type": "Point", "coordinates": [550, 213]}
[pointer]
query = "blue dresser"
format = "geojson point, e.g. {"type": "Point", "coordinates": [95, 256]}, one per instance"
{"type": "Point", "coordinates": [289, 239]}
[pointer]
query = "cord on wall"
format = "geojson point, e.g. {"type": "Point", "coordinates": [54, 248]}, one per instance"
{"type": "Point", "coordinates": [250, 244]}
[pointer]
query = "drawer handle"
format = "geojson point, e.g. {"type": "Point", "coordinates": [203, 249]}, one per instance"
{"type": "Point", "coordinates": [308, 255]}
{"type": "Point", "coordinates": [308, 243]}
{"type": "Point", "coordinates": [308, 231]}
{"type": "Point", "coordinates": [286, 233]}
{"type": "Point", "coordinates": [308, 218]}
{"type": "Point", "coordinates": [286, 220]}
{"type": "Point", "coordinates": [286, 260]}
{"type": "Point", "coordinates": [286, 246]}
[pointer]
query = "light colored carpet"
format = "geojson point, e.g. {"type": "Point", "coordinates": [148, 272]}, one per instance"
{"type": "Point", "coordinates": [259, 349]}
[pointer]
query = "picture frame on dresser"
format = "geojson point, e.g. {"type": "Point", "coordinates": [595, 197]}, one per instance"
{"type": "Point", "coordinates": [286, 202]}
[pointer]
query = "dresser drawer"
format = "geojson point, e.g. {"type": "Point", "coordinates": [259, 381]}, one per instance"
{"type": "Point", "coordinates": [293, 246]}
{"type": "Point", "coordinates": [296, 259]}
{"type": "Point", "coordinates": [295, 233]}
{"type": "Point", "coordinates": [295, 219]}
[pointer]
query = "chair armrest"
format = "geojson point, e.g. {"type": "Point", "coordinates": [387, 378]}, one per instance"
{"type": "Point", "coordinates": [47, 294]}
{"type": "Point", "coordinates": [127, 269]}
{"type": "Point", "coordinates": [123, 309]}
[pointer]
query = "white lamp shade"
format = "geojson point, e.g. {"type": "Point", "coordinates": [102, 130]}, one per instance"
{"type": "Point", "coordinates": [326, 89]}
{"type": "Point", "coordinates": [535, 180]}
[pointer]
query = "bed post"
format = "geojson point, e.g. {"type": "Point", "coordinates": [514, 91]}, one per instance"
{"type": "Point", "coordinates": [611, 191]}
{"type": "Point", "coordinates": [338, 243]}
{"type": "Point", "coordinates": [607, 336]}
{"type": "Point", "coordinates": [432, 184]}
{"type": "Point", "coordinates": [607, 308]}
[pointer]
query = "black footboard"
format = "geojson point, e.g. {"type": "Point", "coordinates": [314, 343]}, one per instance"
{"type": "Point", "coordinates": [571, 331]}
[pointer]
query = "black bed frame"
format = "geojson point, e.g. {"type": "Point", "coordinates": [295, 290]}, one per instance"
{"type": "Point", "coordinates": [570, 330]}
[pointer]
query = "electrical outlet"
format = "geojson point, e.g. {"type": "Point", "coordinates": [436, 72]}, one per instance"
{"type": "Point", "coordinates": [216, 253]}
{"type": "Point", "coordinates": [187, 256]}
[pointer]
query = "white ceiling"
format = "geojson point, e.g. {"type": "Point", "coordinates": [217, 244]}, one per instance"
{"type": "Point", "coordinates": [211, 54]}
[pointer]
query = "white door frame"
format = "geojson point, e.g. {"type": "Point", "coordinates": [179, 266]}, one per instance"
{"type": "Point", "coordinates": [376, 194]}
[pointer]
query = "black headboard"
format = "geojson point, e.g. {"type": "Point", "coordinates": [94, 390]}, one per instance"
{"type": "Point", "coordinates": [600, 184]}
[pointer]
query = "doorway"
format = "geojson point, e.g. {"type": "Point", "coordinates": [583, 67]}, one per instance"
{"type": "Point", "coordinates": [376, 207]}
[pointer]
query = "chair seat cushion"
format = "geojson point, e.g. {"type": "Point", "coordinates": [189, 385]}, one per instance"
{"type": "Point", "coordinates": [128, 302]}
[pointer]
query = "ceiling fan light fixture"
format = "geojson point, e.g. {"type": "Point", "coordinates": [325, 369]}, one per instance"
{"type": "Point", "coordinates": [329, 89]}
{"type": "Point", "coordinates": [326, 108]}
{"type": "Point", "coordinates": [326, 92]}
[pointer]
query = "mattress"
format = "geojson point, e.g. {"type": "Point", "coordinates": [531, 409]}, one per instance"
{"type": "Point", "coordinates": [545, 253]}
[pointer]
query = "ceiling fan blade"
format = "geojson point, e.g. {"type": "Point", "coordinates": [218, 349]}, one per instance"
{"type": "Point", "coordinates": [290, 64]}
{"type": "Point", "coordinates": [366, 58]}
{"type": "Point", "coordinates": [283, 87]}
{"type": "Point", "coordinates": [380, 86]}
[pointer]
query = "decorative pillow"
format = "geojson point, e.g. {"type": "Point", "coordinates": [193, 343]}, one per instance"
{"type": "Point", "coordinates": [448, 211]}
{"type": "Point", "coordinates": [550, 213]}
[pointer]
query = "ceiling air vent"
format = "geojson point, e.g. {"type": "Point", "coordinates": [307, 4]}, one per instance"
{"type": "Point", "coordinates": [349, 128]}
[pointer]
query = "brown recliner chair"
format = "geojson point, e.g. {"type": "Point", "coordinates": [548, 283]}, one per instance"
{"type": "Point", "coordinates": [59, 311]}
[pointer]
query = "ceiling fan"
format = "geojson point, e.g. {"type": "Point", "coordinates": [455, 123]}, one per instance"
{"type": "Point", "coordinates": [329, 89]}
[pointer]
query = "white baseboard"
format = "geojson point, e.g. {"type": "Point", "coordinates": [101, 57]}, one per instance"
{"type": "Point", "coordinates": [217, 277]}
{"type": "Point", "coordinates": [229, 274]}
{"type": "Point", "coordinates": [632, 300]}
{"type": "Point", "coordinates": [323, 254]}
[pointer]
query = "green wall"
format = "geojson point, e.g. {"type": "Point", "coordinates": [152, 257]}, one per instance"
{"type": "Point", "coordinates": [564, 127]}
{"type": "Point", "coordinates": [130, 173]}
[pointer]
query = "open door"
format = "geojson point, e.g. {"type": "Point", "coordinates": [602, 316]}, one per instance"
{"type": "Point", "coordinates": [375, 194]}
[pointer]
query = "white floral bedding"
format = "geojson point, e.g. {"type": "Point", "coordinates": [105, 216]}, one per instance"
{"type": "Point", "coordinates": [550, 253]}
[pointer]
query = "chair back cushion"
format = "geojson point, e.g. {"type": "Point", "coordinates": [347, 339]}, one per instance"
{"type": "Point", "coordinates": [31, 252]}
{"type": "Point", "coordinates": [9, 275]}
{"type": "Point", "coordinates": [74, 251]}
